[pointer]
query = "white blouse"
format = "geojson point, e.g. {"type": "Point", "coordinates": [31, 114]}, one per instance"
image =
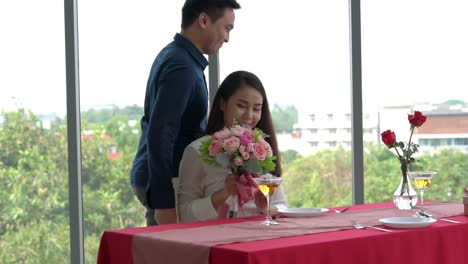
{"type": "Point", "coordinates": [198, 181]}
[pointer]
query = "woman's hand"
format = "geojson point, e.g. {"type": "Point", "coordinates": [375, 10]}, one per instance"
{"type": "Point", "coordinates": [165, 216]}
{"type": "Point", "coordinates": [261, 203]}
{"type": "Point", "coordinates": [230, 185]}
{"type": "Point", "coordinates": [230, 188]}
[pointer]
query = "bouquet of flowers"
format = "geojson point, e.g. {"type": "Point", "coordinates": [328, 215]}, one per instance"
{"type": "Point", "coordinates": [242, 150]}
{"type": "Point", "coordinates": [404, 150]}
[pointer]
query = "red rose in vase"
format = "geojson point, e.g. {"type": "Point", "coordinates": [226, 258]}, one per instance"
{"type": "Point", "coordinates": [388, 137]}
{"type": "Point", "coordinates": [417, 120]}
{"type": "Point", "coordinates": [405, 152]}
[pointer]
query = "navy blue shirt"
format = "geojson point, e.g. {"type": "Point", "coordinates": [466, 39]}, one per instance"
{"type": "Point", "coordinates": [175, 114]}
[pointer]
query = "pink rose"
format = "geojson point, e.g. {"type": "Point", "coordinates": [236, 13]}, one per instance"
{"type": "Point", "coordinates": [242, 148]}
{"type": "Point", "coordinates": [215, 147]}
{"type": "Point", "coordinates": [231, 144]}
{"type": "Point", "coordinates": [248, 132]}
{"type": "Point", "coordinates": [250, 147]}
{"type": "Point", "coordinates": [222, 134]}
{"type": "Point", "coordinates": [245, 155]}
{"type": "Point", "coordinates": [238, 161]}
{"type": "Point", "coordinates": [245, 140]}
{"type": "Point", "coordinates": [259, 152]}
{"type": "Point", "coordinates": [262, 142]}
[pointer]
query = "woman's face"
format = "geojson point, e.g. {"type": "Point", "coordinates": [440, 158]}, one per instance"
{"type": "Point", "coordinates": [245, 106]}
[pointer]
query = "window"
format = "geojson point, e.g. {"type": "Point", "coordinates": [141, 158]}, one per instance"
{"type": "Point", "coordinates": [427, 70]}
{"type": "Point", "coordinates": [313, 144]}
{"type": "Point", "coordinates": [320, 68]}
{"type": "Point", "coordinates": [461, 141]}
{"type": "Point", "coordinates": [115, 60]}
{"type": "Point", "coordinates": [312, 117]}
{"type": "Point", "coordinates": [33, 133]}
{"type": "Point", "coordinates": [313, 130]}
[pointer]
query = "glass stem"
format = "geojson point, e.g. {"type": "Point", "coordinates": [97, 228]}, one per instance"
{"type": "Point", "coordinates": [422, 201]}
{"type": "Point", "coordinates": [268, 217]}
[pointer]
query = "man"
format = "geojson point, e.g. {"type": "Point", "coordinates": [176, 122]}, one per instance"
{"type": "Point", "coordinates": [176, 103]}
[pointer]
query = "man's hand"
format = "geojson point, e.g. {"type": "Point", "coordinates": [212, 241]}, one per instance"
{"type": "Point", "coordinates": [165, 216]}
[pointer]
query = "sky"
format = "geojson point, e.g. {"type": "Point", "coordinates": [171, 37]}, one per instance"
{"type": "Point", "coordinates": [412, 51]}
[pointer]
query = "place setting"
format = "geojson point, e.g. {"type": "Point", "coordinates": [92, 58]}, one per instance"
{"type": "Point", "coordinates": [303, 212]}
{"type": "Point", "coordinates": [401, 219]}
{"type": "Point", "coordinates": [269, 185]}
{"type": "Point", "coordinates": [421, 180]}
{"type": "Point", "coordinates": [309, 212]}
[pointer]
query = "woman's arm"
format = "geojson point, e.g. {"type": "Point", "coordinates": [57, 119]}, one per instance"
{"type": "Point", "coordinates": [192, 203]}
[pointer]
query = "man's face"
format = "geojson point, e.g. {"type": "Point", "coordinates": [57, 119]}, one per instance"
{"type": "Point", "coordinates": [218, 32]}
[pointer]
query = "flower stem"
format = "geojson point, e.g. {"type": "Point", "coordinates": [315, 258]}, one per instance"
{"type": "Point", "coordinates": [409, 146]}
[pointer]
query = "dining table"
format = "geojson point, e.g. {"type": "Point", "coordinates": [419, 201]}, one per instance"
{"type": "Point", "coordinates": [323, 238]}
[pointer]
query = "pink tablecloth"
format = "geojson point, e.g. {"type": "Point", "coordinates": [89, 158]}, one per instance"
{"type": "Point", "coordinates": [358, 246]}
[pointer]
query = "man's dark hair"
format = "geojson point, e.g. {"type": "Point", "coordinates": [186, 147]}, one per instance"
{"type": "Point", "coordinates": [213, 8]}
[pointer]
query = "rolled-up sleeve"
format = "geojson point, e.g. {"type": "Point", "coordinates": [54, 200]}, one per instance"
{"type": "Point", "coordinates": [194, 204]}
{"type": "Point", "coordinates": [278, 199]}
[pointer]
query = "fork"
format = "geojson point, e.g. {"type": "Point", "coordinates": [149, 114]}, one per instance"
{"type": "Point", "coordinates": [358, 226]}
{"type": "Point", "coordinates": [342, 210]}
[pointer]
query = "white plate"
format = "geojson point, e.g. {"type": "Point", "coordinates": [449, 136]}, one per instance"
{"type": "Point", "coordinates": [302, 212]}
{"type": "Point", "coordinates": [407, 222]}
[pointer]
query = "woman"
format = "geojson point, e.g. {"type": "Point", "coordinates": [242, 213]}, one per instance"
{"type": "Point", "coordinates": [203, 189]}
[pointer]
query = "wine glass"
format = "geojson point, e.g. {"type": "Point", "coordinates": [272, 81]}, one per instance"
{"type": "Point", "coordinates": [421, 180]}
{"type": "Point", "coordinates": [268, 185]}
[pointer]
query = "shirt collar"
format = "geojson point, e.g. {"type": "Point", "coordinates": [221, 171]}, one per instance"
{"type": "Point", "coordinates": [188, 45]}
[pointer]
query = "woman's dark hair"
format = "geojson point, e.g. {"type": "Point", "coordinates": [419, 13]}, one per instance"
{"type": "Point", "coordinates": [228, 87]}
{"type": "Point", "coordinates": [213, 8]}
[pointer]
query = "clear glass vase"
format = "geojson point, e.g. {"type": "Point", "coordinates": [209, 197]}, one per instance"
{"type": "Point", "coordinates": [405, 197]}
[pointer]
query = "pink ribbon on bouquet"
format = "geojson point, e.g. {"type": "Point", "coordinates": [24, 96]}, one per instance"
{"type": "Point", "coordinates": [246, 189]}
